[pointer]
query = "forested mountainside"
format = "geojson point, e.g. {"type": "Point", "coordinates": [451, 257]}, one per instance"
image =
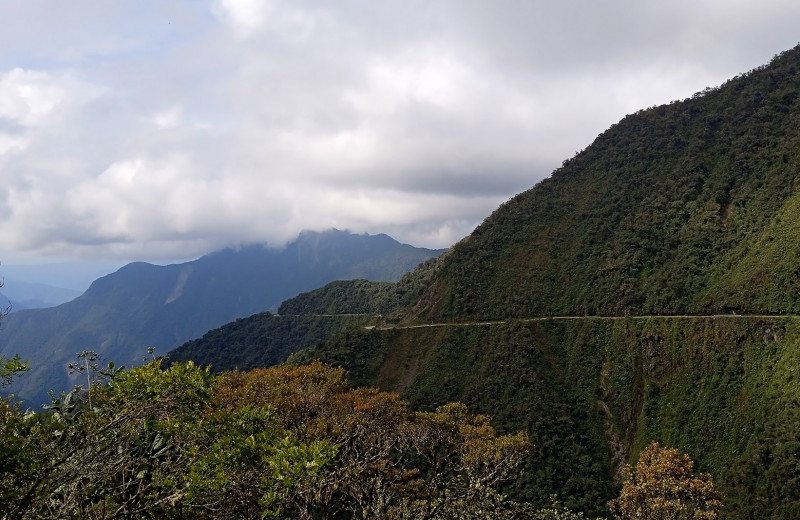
{"type": "Point", "coordinates": [591, 393]}
{"type": "Point", "coordinates": [143, 305]}
{"type": "Point", "coordinates": [365, 297]}
{"type": "Point", "coordinates": [566, 313]}
{"type": "Point", "coordinates": [266, 339]}
{"type": "Point", "coordinates": [262, 340]}
{"type": "Point", "coordinates": [689, 207]}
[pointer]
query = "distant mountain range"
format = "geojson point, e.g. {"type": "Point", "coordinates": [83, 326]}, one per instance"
{"type": "Point", "coordinates": [143, 305]}
{"type": "Point", "coordinates": [16, 295]}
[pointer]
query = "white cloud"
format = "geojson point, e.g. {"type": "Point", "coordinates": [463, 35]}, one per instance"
{"type": "Point", "coordinates": [428, 75]}
{"type": "Point", "coordinates": [29, 97]}
{"type": "Point", "coordinates": [278, 18]}
{"type": "Point", "coordinates": [245, 15]}
{"type": "Point", "coordinates": [166, 128]}
{"type": "Point", "coordinates": [169, 118]}
{"type": "Point", "coordinates": [11, 143]}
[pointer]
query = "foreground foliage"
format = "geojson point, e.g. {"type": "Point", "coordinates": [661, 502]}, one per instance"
{"type": "Point", "coordinates": [391, 462]}
{"type": "Point", "coordinates": [292, 442]}
{"type": "Point", "coordinates": [662, 486]}
{"type": "Point", "coordinates": [284, 442]}
{"type": "Point", "coordinates": [149, 446]}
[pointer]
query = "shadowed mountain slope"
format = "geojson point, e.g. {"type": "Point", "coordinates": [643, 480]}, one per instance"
{"type": "Point", "coordinates": [265, 339]}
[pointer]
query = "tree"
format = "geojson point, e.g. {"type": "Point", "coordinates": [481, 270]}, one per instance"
{"type": "Point", "coordinates": [10, 368]}
{"type": "Point", "coordinates": [149, 446]}
{"type": "Point", "coordinates": [286, 442]}
{"type": "Point", "coordinates": [663, 487]}
{"type": "Point", "coordinates": [390, 462]}
{"type": "Point", "coordinates": [14, 457]}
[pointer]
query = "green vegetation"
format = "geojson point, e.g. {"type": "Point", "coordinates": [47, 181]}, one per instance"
{"type": "Point", "coordinates": [364, 297]}
{"type": "Point", "coordinates": [148, 447]}
{"type": "Point", "coordinates": [261, 340]}
{"type": "Point", "coordinates": [343, 297]}
{"type": "Point", "coordinates": [286, 442]}
{"type": "Point", "coordinates": [593, 393]}
{"type": "Point", "coordinates": [283, 442]}
{"type": "Point", "coordinates": [10, 368]}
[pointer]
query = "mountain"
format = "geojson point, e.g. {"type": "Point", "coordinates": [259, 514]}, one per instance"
{"type": "Point", "coordinates": [262, 340]}
{"type": "Point", "coordinates": [140, 305]}
{"type": "Point", "coordinates": [648, 290]}
{"type": "Point", "coordinates": [18, 295]}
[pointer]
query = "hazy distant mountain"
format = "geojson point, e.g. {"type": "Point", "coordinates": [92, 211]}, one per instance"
{"type": "Point", "coordinates": [23, 295]}
{"type": "Point", "coordinates": [76, 275]}
{"type": "Point", "coordinates": [141, 305]}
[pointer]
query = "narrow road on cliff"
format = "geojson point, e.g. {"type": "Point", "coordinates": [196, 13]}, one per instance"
{"type": "Point", "coordinates": [562, 318]}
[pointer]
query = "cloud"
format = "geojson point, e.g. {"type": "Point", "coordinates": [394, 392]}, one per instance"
{"type": "Point", "coordinates": [278, 18]}
{"type": "Point", "coordinates": [244, 15]}
{"type": "Point", "coordinates": [28, 96]}
{"type": "Point", "coordinates": [165, 129]}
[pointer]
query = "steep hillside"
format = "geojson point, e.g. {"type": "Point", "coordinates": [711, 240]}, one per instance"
{"type": "Point", "coordinates": [593, 392]}
{"type": "Point", "coordinates": [691, 208]}
{"type": "Point", "coordinates": [684, 208]}
{"type": "Point", "coordinates": [365, 297]}
{"type": "Point", "coordinates": [141, 305]}
{"type": "Point", "coordinates": [262, 340]}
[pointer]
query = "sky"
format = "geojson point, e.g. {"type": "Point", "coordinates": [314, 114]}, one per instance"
{"type": "Point", "coordinates": [161, 130]}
